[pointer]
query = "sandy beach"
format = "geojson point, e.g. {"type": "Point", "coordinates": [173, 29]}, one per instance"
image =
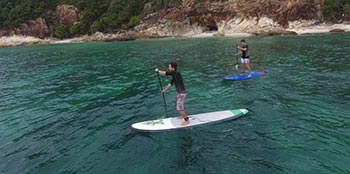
{"type": "Point", "coordinates": [16, 40]}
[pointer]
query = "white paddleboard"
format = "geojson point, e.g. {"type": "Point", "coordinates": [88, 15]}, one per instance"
{"type": "Point", "coordinates": [195, 120]}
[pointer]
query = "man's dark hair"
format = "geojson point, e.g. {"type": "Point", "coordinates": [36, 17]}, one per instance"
{"type": "Point", "coordinates": [242, 40]}
{"type": "Point", "coordinates": [173, 64]}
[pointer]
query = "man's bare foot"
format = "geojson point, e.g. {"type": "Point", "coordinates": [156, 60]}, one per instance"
{"type": "Point", "coordinates": [181, 117]}
{"type": "Point", "coordinates": [185, 123]}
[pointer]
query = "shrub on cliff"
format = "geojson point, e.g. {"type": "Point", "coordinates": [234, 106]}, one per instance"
{"type": "Point", "coordinates": [96, 26]}
{"type": "Point", "coordinates": [61, 31]}
{"type": "Point", "coordinates": [134, 21]}
{"type": "Point", "coordinates": [78, 29]}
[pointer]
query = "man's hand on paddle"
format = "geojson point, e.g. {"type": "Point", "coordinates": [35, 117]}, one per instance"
{"type": "Point", "coordinates": [160, 71]}
{"type": "Point", "coordinates": [166, 88]}
{"type": "Point", "coordinates": [243, 49]}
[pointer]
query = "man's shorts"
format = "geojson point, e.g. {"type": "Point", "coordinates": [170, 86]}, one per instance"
{"type": "Point", "coordinates": [245, 60]}
{"type": "Point", "coordinates": [180, 101]}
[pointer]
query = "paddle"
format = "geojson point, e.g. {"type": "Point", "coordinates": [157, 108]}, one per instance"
{"type": "Point", "coordinates": [161, 88]}
{"type": "Point", "coordinates": [236, 67]}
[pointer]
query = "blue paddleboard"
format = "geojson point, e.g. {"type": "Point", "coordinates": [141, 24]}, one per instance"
{"type": "Point", "coordinates": [244, 76]}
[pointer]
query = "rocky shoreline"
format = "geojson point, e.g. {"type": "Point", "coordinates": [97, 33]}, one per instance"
{"type": "Point", "coordinates": [18, 40]}
{"type": "Point", "coordinates": [189, 19]}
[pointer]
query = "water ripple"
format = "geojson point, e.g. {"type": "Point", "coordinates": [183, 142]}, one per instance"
{"type": "Point", "coordinates": [68, 108]}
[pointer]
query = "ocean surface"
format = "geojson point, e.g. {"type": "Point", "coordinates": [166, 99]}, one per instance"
{"type": "Point", "coordinates": [67, 109]}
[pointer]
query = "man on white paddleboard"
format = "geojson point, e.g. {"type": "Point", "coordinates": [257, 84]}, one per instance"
{"type": "Point", "coordinates": [180, 90]}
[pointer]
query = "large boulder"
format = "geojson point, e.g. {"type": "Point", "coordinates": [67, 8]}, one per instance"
{"type": "Point", "coordinates": [16, 40]}
{"type": "Point", "coordinates": [249, 25]}
{"type": "Point", "coordinates": [37, 28]}
{"type": "Point", "coordinates": [171, 29]}
{"type": "Point", "coordinates": [275, 32]}
{"type": "Point", "coordinates": [100, 37]}
{"type": "Point", "coordinates": [66, 15]}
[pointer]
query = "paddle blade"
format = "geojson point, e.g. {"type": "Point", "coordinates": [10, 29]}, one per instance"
{"type": "Point", "coordinates": [236, 67]}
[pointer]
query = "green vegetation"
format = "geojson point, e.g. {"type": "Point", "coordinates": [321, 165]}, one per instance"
{"type": "Point", "coordinates": [15, 12]}
{"type": "Point", "coordinates": [108, 15]}
{"type": "Point", "coordinates": [61, 31]}
{"type": "Point", "coordinates": [336, 10]}
{"type": "Point", "coordinates": [193, 19]}
{"type": "Point", "coordinates": [97, 15]}
{"type": "Point", "coordinates": [134, 21]}
{"type": "Point", "coordinates": [78, 29]}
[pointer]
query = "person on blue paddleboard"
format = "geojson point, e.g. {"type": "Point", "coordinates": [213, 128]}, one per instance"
{"type": "Point", "coordinates": [180, 90]}
{"type": "Point", "coordinates": [245, 57]}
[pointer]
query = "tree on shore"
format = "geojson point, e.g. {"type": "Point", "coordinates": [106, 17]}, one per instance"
{"type": "Point", "coordinates": [336, 10]}
{"type": "Point", "coordinates": [61, 31]}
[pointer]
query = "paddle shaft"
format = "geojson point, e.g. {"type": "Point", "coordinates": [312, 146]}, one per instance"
{"type": "Point", "coordinates": [236, 57]}
{"type": "Point", "coordinates": [161, 88]}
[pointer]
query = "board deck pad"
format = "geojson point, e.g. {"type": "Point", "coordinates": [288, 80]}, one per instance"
{"type": "Point", "coordinates": [244, 76]}
{"type": "Point", "coordinates": [195, 120]}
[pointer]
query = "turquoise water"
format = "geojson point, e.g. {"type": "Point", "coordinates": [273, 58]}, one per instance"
{"type": "Point", "coordinates": [68, 108]}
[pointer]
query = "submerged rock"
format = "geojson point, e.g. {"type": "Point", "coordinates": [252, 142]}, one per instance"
{"type": "Point", "coordinates": [275, 33]}
{"type": "Point", "coordinates": [337, 30]}
{"type": "Point", "coordinates": [219, 34]}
